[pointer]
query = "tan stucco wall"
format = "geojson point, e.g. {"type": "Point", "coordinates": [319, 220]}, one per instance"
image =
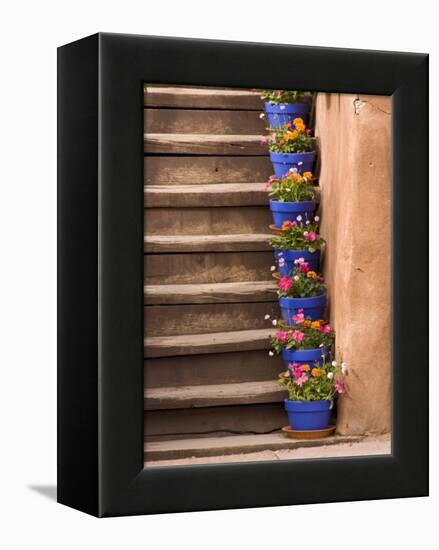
{"type": "Point", "coordinates": [354, 137]}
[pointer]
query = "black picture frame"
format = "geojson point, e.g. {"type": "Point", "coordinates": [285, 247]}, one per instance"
{"type": "Point", "coordinates": [100, 274]}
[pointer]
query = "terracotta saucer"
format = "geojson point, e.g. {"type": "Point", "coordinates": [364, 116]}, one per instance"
{"type": "Point", "coordinates": [276, 230]}
{"type": "Point", "coordinates": [308, 434]}
{"type": "Point", "coordinates": [276, 275]}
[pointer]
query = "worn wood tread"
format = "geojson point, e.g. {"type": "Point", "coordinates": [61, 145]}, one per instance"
{"type": "Point", "coordinates": [235, 444]}
{"type": "Point", "coordinates": [216, 342]}
{"type": "Point", "coordinates": [204, 144]}
{"type": "Point", "coordinates": [213, 395]}
{"type": "Point", "coordinates": [206, 293]}
{"type": "Point", "coordinates": [252, 242]}
{"type": "Point", "coordinates": [212, 98]}
{"type": "Point", "coordinates": [208, 195]}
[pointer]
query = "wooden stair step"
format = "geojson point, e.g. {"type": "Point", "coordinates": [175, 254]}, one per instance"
{"type": "Point", "coordinates": [216, 342]}
{"type": "Point", "coordinates": [234, 444]}
{"type": "Point", "coordinates": [202, 121]}
{"type": "Point", "coordinates": [204, 144]}
{"type": "Point", "coordinates": [208, 195]}
{"type": "Point", "coordinates": [207, 243]}
{"type": "Point", "coordinates": [187, 97]}
{"type": "Point", "coordinates": [246, 291]}
{"type": "Point", "coordinates": [177, 170]}
{"type": "Point", "coordinates": [213, 395]}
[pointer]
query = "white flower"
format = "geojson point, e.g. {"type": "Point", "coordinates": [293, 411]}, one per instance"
{"type": "Point", "coordinates": [270, 353]}
{"type": "Point", "coordinates": [305, 233]}
{"type": "Point", "coordinates": [282, 107]}
{"type": "Point", "coordinates": [296, 277]}
{"type": "Point", "coordinates": [334, 363]}
{"type": "Point", "coordinates": [267, 317]}
{"type": "Point", "coordinates": [321, 345]}
{"type": "Point", "coordinates": [307, 222]}
{"type": "Point", "coordinates": [316, 219]}
{"type": "Point", "coordinates": [274, 322]}
{"type": "Point", "coordinates": [273, 268]}
{"type": "Point", "coordinates": [291, 170]}
{"type": "Point", "coordinates": [301, 260]}
{"type": "Point", "coordinates": [322, 356]}
{"type": "Point", "coordinates": [287, 189]}
{"type": "Point", "coordinates": [330, 375]}
{"type": "Point", "coordinates": [344, 368]}
{"type": "Point", "coordinates": [299, 163]}
{"type": "Point", "coordinates": [280, 254]}
{"type": "Point", "coordinates": [281, 262]}
{"type": "Point", "coordinates": [262, 115]}
{"type": "Point", "coordinates": [299, 218]}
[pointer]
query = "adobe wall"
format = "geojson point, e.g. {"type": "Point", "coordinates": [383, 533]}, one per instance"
{"type": "Point", "coordinates": [354, 137]}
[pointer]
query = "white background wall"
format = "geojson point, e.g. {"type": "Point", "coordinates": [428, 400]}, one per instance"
{"type": "Point", "coordinates": [30, 33]}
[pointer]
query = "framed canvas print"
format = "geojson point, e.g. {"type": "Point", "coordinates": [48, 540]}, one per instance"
{"type": "Point", "coordinates": [242, 275]}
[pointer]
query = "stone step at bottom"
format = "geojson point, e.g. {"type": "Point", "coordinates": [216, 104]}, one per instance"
{"type": "Point", "coordinates": [236, 444]}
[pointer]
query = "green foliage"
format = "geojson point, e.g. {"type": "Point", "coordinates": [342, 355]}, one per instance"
{"type": "Point", "coordinates": [306, 334]}
{"type": "Point", "coordinates": [299, 237]}
{"type": "Point", "coordinates": [326, 381]}
{"type": "Point", "coordinates": [281, 96]}
{"type": "Point", "coordinates": [292, 187]}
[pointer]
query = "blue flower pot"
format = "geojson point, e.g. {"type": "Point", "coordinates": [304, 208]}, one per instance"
{"type": "Point", "coordinates": [283, 162]}
{"type": "Point", "coordinates": [305, 356]}
{"type": "Point", "coordinates": [312, 307]}
{"type": "Point", "coordinates": [280, 114]}
{"type": "Point", "coordinates": [289, 211]}
{"type": "Point", "coordinates": [313, 258]}
{"type": "Point", "coordinates": [308, 415]}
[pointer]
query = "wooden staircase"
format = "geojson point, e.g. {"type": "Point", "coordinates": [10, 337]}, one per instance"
{"type": "Point", "coordinates": [208, 377]}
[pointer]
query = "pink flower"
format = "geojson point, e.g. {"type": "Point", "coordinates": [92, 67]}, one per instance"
{"type": "Point", "coordinates": [312, 236]}
{"type": "Point", "coordinates": [285, 283]}
{"type": "Point", "coordinates": [281, 336]}
{"type": "Point", "coordinates": [325, 329]}
{"type": "Point", "coordinates": [298, 336]}
{"type": "Point", "coordinates": [298, 318]}
{"type": "Point", "coordinates": [321, 279]}
{"type": "Point", "coordinates": [304, 267]}
{"type": "Point", "coordinates": [339, 386]}
{"type": "Point", "coordinates": [263, 140]}
{"type": "Point", "coordinates": [301, 380]}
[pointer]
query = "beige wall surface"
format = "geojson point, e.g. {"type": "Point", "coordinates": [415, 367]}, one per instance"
{"type": "Point", "coordinates": [354, 137]}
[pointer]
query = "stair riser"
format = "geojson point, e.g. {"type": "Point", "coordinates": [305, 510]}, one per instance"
{"type": "Point", "coordinates": [206, 221]}
{"type": "Point", "coordinates": [192, 170]}
{"type": "Point", "coordinates": [198, 121]}
{"type": "Point", "coordinates": [258, 418]}
{"type": "Point", "coordinates": [223, 368]}
{"type": "Point", "coordinates": [211, 267]}
{"type": "Point", "coordinates": [202, 99]}
{"type": "Point", "coordinates": [204, 318]}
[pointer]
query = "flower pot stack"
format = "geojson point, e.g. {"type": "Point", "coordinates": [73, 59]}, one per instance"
{"type": "Point", "coordinates": [304, 337]}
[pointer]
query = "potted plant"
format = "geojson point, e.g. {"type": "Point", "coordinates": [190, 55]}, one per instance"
{"type": "Point", "coordinates": [291, 147]}
{"type": "Point", "coordinates": [283, 106]}
{"type": "Point", "coordinates": [307, 342]}
{"type": "Point", "coordinates": [310, 398]}
{"type": "Point", "coordinates": [303, 289]}
{"type": "Point", "coordinates": [292, 197]}
{"type": "Point", "coordinates": [297, 242]}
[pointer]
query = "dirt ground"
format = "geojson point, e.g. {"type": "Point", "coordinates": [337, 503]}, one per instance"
{"type": "Point", "coordinates": [369, 446]}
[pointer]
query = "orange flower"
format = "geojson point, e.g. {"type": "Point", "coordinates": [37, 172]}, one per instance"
{"type": "Point", "coordinates": [287, 125]}
{"type": "Point", "coordinates": [307, 175]}
{"type": "Point", "coordinates": [315, 372]}
{"type": "Point", "coordinates": [312, 275]}
{"type": "Point", "coordinates": [315, 324]}
{"type": "Point", "coordinates": [306, 323]}
{"type": "Point", "coordinates": [291, 135]}
{"type": "Point", "coordinates": [297, 121]}
{"type": "Point", "coordinates": [304, 368]}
